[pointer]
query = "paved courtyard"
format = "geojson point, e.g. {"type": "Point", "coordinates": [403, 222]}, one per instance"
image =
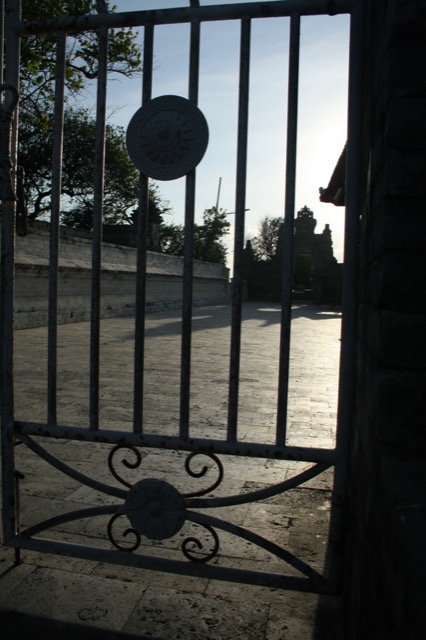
{"type": "Point", "coordinates": [100, 600]}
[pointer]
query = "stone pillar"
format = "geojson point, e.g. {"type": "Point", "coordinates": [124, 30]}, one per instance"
{"type": "Point", "coordinates": [385, 590]}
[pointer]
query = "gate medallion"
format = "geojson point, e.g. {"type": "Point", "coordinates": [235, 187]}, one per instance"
{"type": "Point", "coordinates": [167, 137]}
{"type": "Point", "coordinates": [155, 509]}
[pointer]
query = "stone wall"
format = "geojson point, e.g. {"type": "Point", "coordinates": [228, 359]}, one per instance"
{"type": "Point", "coordinates": [385, 590]}
{"type": "Point", "coordinates": [164, 281]}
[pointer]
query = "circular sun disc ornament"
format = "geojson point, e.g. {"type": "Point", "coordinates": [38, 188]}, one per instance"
{"type": "Point", "coordinates": [167, 137]}
{"type": "Point", "coordinates": [155, 509]}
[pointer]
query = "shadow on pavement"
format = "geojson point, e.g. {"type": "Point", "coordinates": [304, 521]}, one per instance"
{"type": "Point", "coordinates": [220, 316]}
{"type": "Point", "coordinates": [21, 626]}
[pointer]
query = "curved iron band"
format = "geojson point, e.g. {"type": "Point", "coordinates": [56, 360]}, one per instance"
{"type": "Point", "coordinates": [198, 518]}
{"type": "Point", "coordinates": [203, 503]}
{"type": "Point", "coordinates": [195, 569]}
{"type": "Point", "coordinates": [69, 517]}
{"type": "Point", "coordinates": [69, 471]}
{"type": "Point", "coordinates": [250, 536]}
{"type": "Point", "coordinates": [261, 494]}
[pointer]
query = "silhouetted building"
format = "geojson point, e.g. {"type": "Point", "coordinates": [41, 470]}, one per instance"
{"type": "Point", "coordinates": [315, 267]}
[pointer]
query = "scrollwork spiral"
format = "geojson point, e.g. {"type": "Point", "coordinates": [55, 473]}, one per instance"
{"type": "Point", "coordinates": [190, 554]}
{"type": "Point", "coordinates": [129, 465]}
{"type": "Point", "coordinates": [129, 531]}
{"type": "Point", "coordinates": [202, 472]}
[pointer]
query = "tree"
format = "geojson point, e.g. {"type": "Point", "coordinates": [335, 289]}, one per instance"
{"type": "Point", "coordinates": [121, 189]}
{"type": "Point", "coordinates": [36, 117]}
{"type": "Point", "coordinates": [121, 176]}
{"type": "Point", "coordinates": [172, 237]}
{"type": "Point", "coordinates": [37, 52]}
{"type": "Point", "coordinates": [208, 243]}
{"type": "Point", "coordinates": [265, 244]}
{"type": "Point", "coordinates": [36, 122]}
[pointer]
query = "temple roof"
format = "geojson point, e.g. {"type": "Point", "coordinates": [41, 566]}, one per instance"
{"type": "Point", "coordinates": [335, 191]}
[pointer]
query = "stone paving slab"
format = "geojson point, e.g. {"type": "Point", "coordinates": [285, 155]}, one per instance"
{"type": "Point", "coordinates": [46, 591]}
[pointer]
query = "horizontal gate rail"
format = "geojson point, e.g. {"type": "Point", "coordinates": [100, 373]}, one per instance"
{"type": "Point", "coordinates": [275, 9]}
{"type": "Point", "coordinates": [243, 448]}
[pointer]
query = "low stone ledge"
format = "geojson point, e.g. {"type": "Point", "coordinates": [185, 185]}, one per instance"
{"type": "Point", "coordinates": [118, 290]}
{"type": "Point", "coordinates": [118, 281]}
{"type": "Point", "coordinates": [76, 246]}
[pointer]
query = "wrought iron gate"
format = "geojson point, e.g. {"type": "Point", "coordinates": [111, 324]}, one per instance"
{"type": "Point", "coordinates": [154, 507]}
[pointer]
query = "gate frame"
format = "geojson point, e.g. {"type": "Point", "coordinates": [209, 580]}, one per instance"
{"type": "Point", "coordinates": [10, 429]}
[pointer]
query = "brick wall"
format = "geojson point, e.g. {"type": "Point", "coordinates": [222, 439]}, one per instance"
{"type": "Point", "coordinates": [385, 592]}
{"type": "Point", "coordinates": [164, 281]}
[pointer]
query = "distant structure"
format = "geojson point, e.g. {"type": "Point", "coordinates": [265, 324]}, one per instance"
{"type": "Point", "coordinates": [316, 273]}
{"type": "Point", "coordinates": [326, 281]}
{"type": "Point", "coordinates": [317, 245]}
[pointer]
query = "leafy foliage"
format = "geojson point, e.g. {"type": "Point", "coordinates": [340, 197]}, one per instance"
{"type": "Point", "coordinates": [121, 177]}
{"type": "Point", "coordinates": [121, 190]}
{"type": "Point", "coordinates": [36, 117]}
{"type": "Point", "coordinates": [172, 239]}
{"type": "Point", "coordinates": [38, 52]}
{"type": "Point", "coordinates": [208, 243]}
{"type": "Point", "coordinates": [266, 243]}
{"type": "Point", "coordinates": [35, 155]}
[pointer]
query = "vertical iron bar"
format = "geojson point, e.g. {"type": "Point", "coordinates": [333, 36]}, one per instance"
{"type": "Point", "coordinates": [290, 190]}
{"type": "Point", "coordinates": [97, 226]}
{"type": "Point", "coordinates": [347, 373]}
{"type": "Point", "coordinates": [1, 40]}
{"type": "Point", "coordinates": [58, 126]}
{"type": "Point", "coordinates": [240, 204]}
{"type": "Point", "coordinates": [18, 477]}
{"type": "Point", "coordinates": [7, 285]}
{"type": "Point", "coordinates": [188, 259]}
{"type": "Point", "coordinates": [142, 233]}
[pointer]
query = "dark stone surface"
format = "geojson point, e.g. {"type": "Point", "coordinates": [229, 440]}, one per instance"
{"type": "Point", "coordinates": [402, 340]}
{"type": "Point", "coordinates": [386, 580]}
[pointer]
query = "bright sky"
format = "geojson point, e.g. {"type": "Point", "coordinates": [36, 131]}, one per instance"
{"type": "Point", "coordinates": [322, 111]}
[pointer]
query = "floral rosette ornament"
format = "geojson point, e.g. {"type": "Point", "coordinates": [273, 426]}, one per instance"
{"type": "Point", "coordinates": [155, 509]}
